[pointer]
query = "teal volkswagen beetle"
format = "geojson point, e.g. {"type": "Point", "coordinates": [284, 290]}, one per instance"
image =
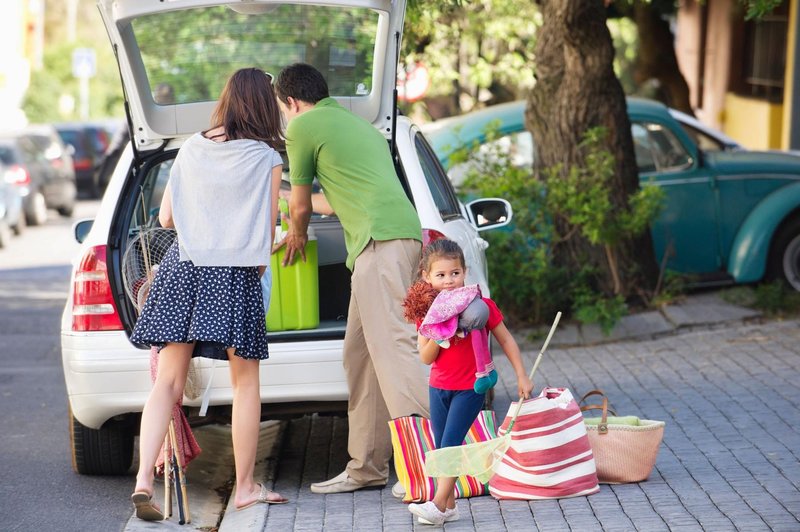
{"type": "Point", "coordinates": [730, 214]}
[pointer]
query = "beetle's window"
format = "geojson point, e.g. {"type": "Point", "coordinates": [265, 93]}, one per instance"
{"type": "Point", "coordinates": [704, 142]}
{"type": "Point", "coordinates": [515, 149]}
{"type": "Point", "coordinates": [442, 191]}
{"type": "Point", "coordinates": [657, 148]}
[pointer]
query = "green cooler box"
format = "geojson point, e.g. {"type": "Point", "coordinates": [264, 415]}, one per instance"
{"type": "Point", "coordinates": [294, 301]}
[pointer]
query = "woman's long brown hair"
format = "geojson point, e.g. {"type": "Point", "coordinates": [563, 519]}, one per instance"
{"type": "Point", "coordinates": [248, 109]}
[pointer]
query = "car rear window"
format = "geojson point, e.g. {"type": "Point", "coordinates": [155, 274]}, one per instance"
{"type": "Point", "coordinates": [76, 140]}
{"type": "Point", "coordinates": [6, 155]}
{"type": "Point", "coordinates": [188, 54]}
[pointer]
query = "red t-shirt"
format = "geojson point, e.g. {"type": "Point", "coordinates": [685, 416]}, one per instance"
{"type": "Point", "coordinates": [454, 368]}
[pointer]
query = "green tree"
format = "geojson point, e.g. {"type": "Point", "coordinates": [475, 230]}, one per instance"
{"type": "Point", "coordinates": [576, 90]}
{"type": "Point", "coordinates": [477, 52]}
{"type": "Point", "coordinates": [55, 80]}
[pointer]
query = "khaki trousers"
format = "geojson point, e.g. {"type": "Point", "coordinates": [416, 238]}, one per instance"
{"type": "Point", "coordinates": [385, 376]}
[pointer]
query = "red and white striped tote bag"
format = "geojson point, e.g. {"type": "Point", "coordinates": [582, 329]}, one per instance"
{"type": "Point", "coordinates": [550, 456]}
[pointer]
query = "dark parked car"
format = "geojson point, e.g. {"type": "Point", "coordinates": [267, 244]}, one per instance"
{"type": "Point", "coordinates": [55, 150]}
{"type": "Point", "coordinates": [89, 142]}
{"type": "Point", "coordinates": [108, 163]}
{"type": "Point", "coordinates": [41, 184]}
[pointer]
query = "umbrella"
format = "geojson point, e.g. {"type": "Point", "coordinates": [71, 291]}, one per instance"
{"type": "Point", "coordinates": [180, 447]}
{"type": "Point", "coordinates": [186, 443]}
{"type": "Point", "coordinates": [479, 459]}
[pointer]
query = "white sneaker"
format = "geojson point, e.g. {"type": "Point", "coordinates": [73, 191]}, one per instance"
{"type": "Point", "coordinates": [450, 514]}
{"type": "Point", "coordinates": [427, 513]}
{"type": "Point", "coordinates": [398, 490]}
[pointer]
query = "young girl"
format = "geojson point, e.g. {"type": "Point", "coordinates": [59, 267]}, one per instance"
{"type": "Point", "coordinates": [454, 403]}
{"type": "Point", "coordinates": [206, 298]}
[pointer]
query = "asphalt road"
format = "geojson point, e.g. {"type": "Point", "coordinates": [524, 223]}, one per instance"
{"type": "Point", "coordinates": [39, 490]}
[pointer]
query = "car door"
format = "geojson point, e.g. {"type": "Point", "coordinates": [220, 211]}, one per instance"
{"type": "Point", "coordinates": [687, 229]}
{"type": "Point", "coordinates": [456, 225]}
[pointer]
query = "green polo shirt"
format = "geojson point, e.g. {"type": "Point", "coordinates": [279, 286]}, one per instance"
{"type": "Point", "coordinates": [352, 161]}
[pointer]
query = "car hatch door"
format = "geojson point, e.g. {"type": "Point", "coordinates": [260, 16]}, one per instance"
{"type": "Point", "coordinates": [175, 56]}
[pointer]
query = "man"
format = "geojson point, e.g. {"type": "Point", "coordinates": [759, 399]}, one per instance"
{"type": "Point", "coordinates": [383, 236]}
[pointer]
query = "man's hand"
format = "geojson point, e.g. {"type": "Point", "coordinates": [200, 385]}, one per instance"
{"type": "Point", "coordinates": [295, 244]}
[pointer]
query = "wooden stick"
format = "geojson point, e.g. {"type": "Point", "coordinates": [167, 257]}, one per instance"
{"type": "Point", "coordinates": [180, 474]}
{"type": "Point", "coordinates": [167, 490]}
{"type": "Point", "coordinates": [535, 366]}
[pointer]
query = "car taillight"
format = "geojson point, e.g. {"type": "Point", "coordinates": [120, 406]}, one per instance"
{"type": "Point", "coordinates": [82, 164]}
{"type": "Point", "coordinates": [93, 307]}
{"type": "Point", "coordinates": [18, 175]}
{"type": "Point", "coordinates": [431, 235]}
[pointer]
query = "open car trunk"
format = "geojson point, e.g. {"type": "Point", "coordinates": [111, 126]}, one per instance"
{"type": "Point", "coordinates": [139, 208]}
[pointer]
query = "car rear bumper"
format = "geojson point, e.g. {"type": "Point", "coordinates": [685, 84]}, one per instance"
{"type": "Point", "coordinates": [107, 376]}
{"type": "Point", "coordinates": [60, 194]}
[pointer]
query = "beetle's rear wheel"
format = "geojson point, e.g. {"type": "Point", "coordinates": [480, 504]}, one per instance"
{"type": "Point", "coordinates": [784, 258]}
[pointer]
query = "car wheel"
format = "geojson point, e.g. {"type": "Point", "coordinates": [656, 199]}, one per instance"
{"type": "Point", "coordinates": [5, 234]}
{"type": "Point", "coordinates": [20, 225]}
{"type": "Point", "coordinates": [784, 259]}
{"type": "Point", "coordinates": [37, 210]}
{"type": "Point", "coordinates": [106, 451]}
{"type": "Point", "coordinates": [66, 210]}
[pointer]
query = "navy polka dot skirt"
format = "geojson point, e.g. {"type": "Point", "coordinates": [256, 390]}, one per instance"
{"type": "Point", "coordinates": [216, 306]}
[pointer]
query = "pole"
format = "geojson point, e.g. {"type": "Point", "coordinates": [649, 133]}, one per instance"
{"type": "Point", "coordinates": [84, 95]}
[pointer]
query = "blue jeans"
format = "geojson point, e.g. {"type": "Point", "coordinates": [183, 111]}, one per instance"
{"type": "Point", "coordinates": [452, 414]}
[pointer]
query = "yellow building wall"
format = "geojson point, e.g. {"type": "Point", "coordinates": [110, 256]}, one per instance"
{"type": "Point", "coordinates": [788, 84]}
{"type": "Point", "coordinates": [757, 124]}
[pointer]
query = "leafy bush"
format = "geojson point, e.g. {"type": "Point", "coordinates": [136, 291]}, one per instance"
{"type": "Point", "coordinates": [527, 284]}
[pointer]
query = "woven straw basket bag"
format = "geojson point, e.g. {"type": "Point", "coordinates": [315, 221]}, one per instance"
{"type": "Point", "coordinates": [624, 448]}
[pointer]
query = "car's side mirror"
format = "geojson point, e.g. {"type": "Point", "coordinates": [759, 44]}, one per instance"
{"type": "Point", "coordinates": [489, 213]}
{"type": "Point", "coordinates": [81, 229]}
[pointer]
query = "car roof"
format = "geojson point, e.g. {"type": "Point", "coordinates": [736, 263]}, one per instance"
{"type": "Point", "coordinates": [447, 135]}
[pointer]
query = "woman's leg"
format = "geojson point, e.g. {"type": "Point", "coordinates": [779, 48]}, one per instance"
{"type": "Point", "coordinates": [245, 426]}
{"type": "Point", "coordinates": [173, 364]}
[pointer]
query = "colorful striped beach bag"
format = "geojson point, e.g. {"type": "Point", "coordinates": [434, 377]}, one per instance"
{"type": "Point", "coordinates": [550, 456]}
{"type": "Point", "coordinates": [412, 437]}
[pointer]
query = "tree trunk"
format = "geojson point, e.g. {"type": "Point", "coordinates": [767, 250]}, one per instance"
{"type": "Point", "coordinates": [657, 59]}
{"type": "Point", "coordinates": [576, 89]}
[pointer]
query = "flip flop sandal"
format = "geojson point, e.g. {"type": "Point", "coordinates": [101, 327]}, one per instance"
{"type": "Point", "coordinates": [263, 498]}
{"type": "Point", "coordinates": [145, 509]}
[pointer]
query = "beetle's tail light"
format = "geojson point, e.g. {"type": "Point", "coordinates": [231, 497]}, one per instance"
{"type": "Point", "coordinates": [93, 307]}
{"type": "Point", "coordinates": [431, 235]}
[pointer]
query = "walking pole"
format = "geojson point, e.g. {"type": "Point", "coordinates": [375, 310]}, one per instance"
{"type": "Point", "coordinates": [167, 490]}
{"type": "Point", "coordinates": [180, 478]}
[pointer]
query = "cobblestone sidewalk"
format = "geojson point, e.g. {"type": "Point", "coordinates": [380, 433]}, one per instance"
{"type": "Point", "coordinates": [729, 459]}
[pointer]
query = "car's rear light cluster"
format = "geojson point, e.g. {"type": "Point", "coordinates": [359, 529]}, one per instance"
{"type": "Point", "coordinates": [431, 235]}
{"type": "Point", "coordinates": [82, 164]}
{"type": "Point", "coordinates": [93, 307]}
{"type": "Point", "coordinates": [17, 175]}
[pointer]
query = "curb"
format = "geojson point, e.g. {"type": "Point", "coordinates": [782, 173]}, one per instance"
{"type": "Point", "coordinates": [255, 517]}
{"type": "Point", "coordinates": [694, 312]}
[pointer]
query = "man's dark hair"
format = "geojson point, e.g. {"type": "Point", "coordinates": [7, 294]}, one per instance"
{"type": "Point", "coordinates": [302, 82]}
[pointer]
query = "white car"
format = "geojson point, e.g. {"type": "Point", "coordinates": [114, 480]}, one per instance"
{"type": "Point", "coordinates": [191, 47]}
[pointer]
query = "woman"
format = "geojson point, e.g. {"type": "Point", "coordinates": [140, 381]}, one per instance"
{"type": "Point", "coordinates": [206, 298]}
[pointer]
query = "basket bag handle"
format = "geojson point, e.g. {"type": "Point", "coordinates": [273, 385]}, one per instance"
{"type": "Point", "coordinates": [602, 427]}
